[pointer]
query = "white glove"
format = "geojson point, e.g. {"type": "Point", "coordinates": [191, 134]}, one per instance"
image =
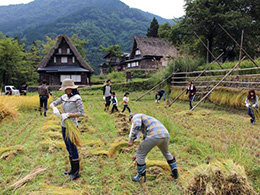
{"type": "Point", "coordinates": [247, 105]}
{"type": "Point", "coordinates": [254, 105]}
{"type": "Point", "coordinates": [56, 111]}
{"type": "Point", "coordinates": [104, 98]}
{"type": "Point", "coordinates": [64, 116]}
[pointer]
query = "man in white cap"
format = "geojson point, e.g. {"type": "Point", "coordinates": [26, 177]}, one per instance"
{"type": "Point", "coordinates": [73, 107]}
{"type": "Point", "coordinates": [154, 134]}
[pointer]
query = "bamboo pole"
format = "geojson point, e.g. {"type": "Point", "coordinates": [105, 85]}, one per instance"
{"type": "Point", "coordinates": [238, 45]}
{"type": "Point", "coordinates": [217, 84]}
{"type": "Point", "coordinates": [241, 46]}
{"type": "Point", "coordinates": [154, 87]}
{"type": "Point", "coordinates": [195, 79]}
{"type": "Point", "coordinates": [207, 49]}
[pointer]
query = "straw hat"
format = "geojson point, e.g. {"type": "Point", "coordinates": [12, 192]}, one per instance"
{"type": "Point", "coordinates": [68, 84]}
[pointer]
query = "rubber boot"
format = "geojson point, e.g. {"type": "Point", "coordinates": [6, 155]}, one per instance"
{"type": "Point", "coordinates": [69, 171]}
{"type": "Point", "coordinates": [40, 110]}
{"type": "Point", "coordinates": [173, 165]}
{"type": "Point", "coordinates": [74, 170]}
{"type": "Point", "coordinates": [141, 172]}
{"type": "Point", "coordinates": [45, 115]}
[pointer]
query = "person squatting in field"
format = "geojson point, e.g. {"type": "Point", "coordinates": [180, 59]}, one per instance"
{"type": "Point", "coordinates": [43, 91]}
{"type": "Point", "coordinates": [159, 95]}
{"type": "Point", "coordinates": [126, 100]}
{"type": "Point", "coordinates": [107, 94]}
{"type": "Point", "coordinates": [73, 107]}
{"type": "Point", "coordinates": [114, 102]}
{"type": "Point", "coordinates": [252, 102]}
{"type": "Point", "coordinates": [191, 89]}
{"type": "Point", "coordinates": [154, 134]}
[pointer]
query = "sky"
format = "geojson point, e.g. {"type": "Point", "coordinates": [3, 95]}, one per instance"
{"type": "Point", "coordinates": [165, 8]}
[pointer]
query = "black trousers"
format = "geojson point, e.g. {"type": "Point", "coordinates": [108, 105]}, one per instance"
{"type": "Point", "coordinates": [43, 103]}
{"type": "Point", "coordinates": [108, 102]}
{"type": "Point", "coordinates": [126, 107]}
{"type": "Point", "coordinates": [114, 108]}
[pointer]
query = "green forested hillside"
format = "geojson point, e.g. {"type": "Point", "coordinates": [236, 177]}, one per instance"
{"type": "Point", "coordinates": [101, 22]}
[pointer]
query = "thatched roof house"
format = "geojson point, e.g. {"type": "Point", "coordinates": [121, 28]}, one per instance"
{"type": "Point", "coordinates": [150, 53]}
{"type": "Point", "coordinates": [64, 61]}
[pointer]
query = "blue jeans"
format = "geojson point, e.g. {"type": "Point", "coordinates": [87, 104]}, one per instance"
{"type": "Point", "coordinates": [251, 113]}
{"type": "Point", "coordinates": [191, 98]}
{"type": "Point", "coordinates": [71, 148]}
{"type": "Point", "coordinates": [43, 103]}
{"type": "Point", "coordinates": [126, 107]}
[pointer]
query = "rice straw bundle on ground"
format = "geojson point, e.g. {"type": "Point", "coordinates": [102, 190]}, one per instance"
{"type": "Point", "coordinates": [46, 189]}
{"type": "Point", "coordinates": [98, 153]}
{"type": "Point", "coordinates": [13, 150]}
{"type": "Point", "coordinates": [54, 135]}
{"type": "Point", "coordinates": [93, 143]}
{"type": "Point", "coordinates": [224, 177]}
{"type": "Point", "coordinates": [73, 133]}
{"type": "Point", "coordinates": [157, 163]}
{"type": "Point", "coordinates": [257, 113]}
{"type": "Point", "coordinates": [8, 110]}
{"type": "Point", "coordinates": [51, 128]}
{"type": "Point", "coordinates": [114, 147]}
{"type": "Point", "coordinates": [50, 145]}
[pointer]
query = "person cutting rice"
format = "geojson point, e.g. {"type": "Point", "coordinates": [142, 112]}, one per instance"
{"type": "Point", "coordinates": [73, 107]}
{"type": "Point", "coordinates": [252, 102]}
{"type": "Point", "coordinates": [154, 134]}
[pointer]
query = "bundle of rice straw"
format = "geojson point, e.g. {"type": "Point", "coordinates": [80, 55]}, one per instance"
{"type": "Point", "coordinates": [73, 133]}
{"type": "Point", "coordinates": [7, 110]}
{"type": "Point", "coordinates": [257, 113]}
{"type": "Point", "coordinates": [225, 177]}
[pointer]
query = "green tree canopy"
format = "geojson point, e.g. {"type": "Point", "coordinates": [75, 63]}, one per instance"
{"type": "Point", "coordinates": [153, 29]}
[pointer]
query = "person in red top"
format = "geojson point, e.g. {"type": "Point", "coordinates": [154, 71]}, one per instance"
{"type": "Point", "coordinates": [192, 92]}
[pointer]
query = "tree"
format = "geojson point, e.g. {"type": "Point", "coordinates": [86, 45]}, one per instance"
{"type": "Point", "coordinates": [115, 53]}
{"type": "Point", "coordinates": [203, 17]}
{"type": "Point", "coordinates": [153, 30]}
{"type": "Point", "coordinates": [12, 61]}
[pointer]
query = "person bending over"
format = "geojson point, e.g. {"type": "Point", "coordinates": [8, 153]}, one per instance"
{"type": "Point", "coordinates": [252, 102]}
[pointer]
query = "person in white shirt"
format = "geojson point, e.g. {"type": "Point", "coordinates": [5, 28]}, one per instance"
{"type": "Point", "coordinates": [126, 100]}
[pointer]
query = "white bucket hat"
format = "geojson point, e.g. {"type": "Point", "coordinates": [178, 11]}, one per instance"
{"type": "Point", "coordinates": [68, 84]}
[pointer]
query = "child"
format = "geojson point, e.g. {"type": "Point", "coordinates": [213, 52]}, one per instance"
{"type": "Point", "coordinates": [126, 100]}
{"type": "Point", "coordinates": [192, 92]}
{"type": "Point", "coordinates": [251, 102]}
{"type": "Point", "coordinates": [107, 94]}
{"type": "Point", "coordinates": [114, 102]}
{"type": "Point", "coordinates": [161, 94]}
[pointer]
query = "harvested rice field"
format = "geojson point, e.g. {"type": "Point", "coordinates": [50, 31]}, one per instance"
{"type": "Point", "coordinates": [216, 147]}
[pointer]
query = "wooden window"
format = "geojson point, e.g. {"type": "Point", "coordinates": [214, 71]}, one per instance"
{"type": "Point", "coordinates": [76, 78]}
{"type": "Point", "coordinates": [64, 60]}
{"type": "Point", "coordinates": [129, 65]}
{"type": "Point", "coordinates": [55, 60]}
{"type": "Point", "coordinates": [62, 77]}
{"type": "Point", "coordinates": [68, 50]}
{"type": "Point", "coordinates": [59, 50]}
{"type": "Point", "coordinates": [73, 59]}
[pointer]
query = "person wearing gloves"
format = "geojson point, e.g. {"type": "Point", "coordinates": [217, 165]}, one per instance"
{"type": "Point", "coordinates": [114, 102]}
{"type": "Point", "coordinates": [252, 101]}
{"type": "Point", "coordinates": [154, 134]}
{"type": "Point", "coordinates": [107, 94]}
{"type": "Point", "coordinates": [191, 89]}
{"type": "Point", "coordinates": [126, 100]}
{"type": "Point", "coordinates": [73, 107]}
{"type": "Point", "coordinates": [159, 95]}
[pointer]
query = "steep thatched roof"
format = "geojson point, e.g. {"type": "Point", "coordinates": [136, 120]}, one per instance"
{"type": "Point", "coordinates": [82, 62]}
{"type": "Point", "coordinates": [151, 46]}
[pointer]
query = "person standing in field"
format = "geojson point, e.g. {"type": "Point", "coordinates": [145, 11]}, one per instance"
{"type": "Point", "coordinates": [252, 102]}
{"type": "Point", "coordinates": [43, 91]}
{"type": "Point", "coordinates": [154, 134]}
{"type": "Point", "coordinates": [114, 102]}
{"type": "Point", "coordinates": [107, 94]}
{"type": "Point", "coordinates": [191, 89]}
{"type": "Point", "coordinates": [73, 107]}
{"type": "Point", "coordinates": [126, 100]}
{"type": "Point", "coordinates": [23, 89]}
{"type": "Point", "coordinates": [159, 95]}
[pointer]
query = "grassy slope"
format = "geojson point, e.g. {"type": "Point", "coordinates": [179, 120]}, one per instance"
{"type": "Point", "coordinates": [195, 139]}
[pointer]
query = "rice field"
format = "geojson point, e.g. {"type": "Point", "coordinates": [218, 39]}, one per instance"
{"type": "Point", "coordinates": [210, 139]}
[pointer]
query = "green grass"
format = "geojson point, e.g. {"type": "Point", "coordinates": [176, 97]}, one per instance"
{"type": "Point", "coordinates": [209, 133]}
